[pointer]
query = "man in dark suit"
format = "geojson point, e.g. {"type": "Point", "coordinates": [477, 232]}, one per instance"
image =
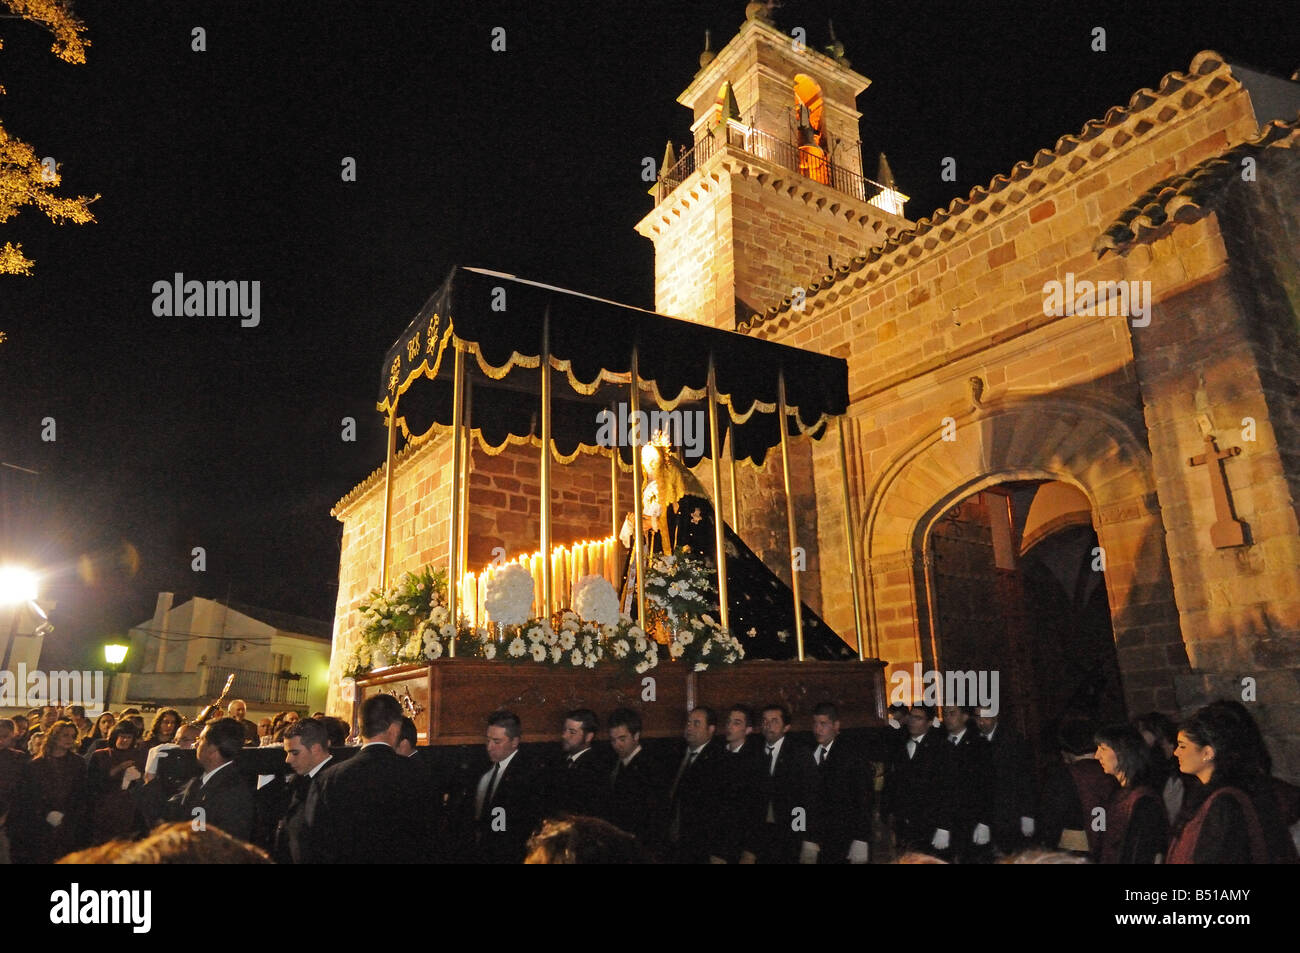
{"type": "Point", "coordinates": [740, 787]}
{"type": "Point", "coordinates": [919, 786]}
{"type": "Point", "coordinates": [635, 786]}
{"type": "Point", "coordinates": [500, 806]}
{"type": "Point", "coordinates": [789, 795]}
{"type": "Point", "coordinates": [375, 807]}
{"type": "Point", "coordinates": [12, 761]}
{"type": "Point", "coordinates": [847, 792]}
{"type": "Point", "coordinates": [972, 806]}
{"type": "Point", "coordinates": [693, 799]}
{"type": "Point", "coordinates": [306, 751]}
{"type": "Point", "coordinates": [1014, 793]}
{"type": "Point", "coordinates": [578, 783]}
{"type": "Point", "coordinates": [221, 796]}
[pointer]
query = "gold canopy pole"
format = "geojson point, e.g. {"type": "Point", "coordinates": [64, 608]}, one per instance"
{"type": "Point", "coordinates": [453, 536]}
{"type": "Point", "coordinates": [848, 539]}
{"type": "Point", "coordinates": [789, 513]}
{"type": "Point", "coordinates": [388, 494]}
{"type": "Point", "coordinates": [468, 449]}
{"type": "Point", "coordinates": [639, 552]}
{"type": "Point", "coordinates": [719, 533]}
{"type": "Point", "coordinates": [547, 607]}
{"type": "Point", "coordinates": [731, 459]}
{"type": "Point", "coordinates": [613, 488]}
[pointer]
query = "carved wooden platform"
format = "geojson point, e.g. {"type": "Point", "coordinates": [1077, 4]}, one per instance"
{"type": "Point", "coordinates": [455, 696]}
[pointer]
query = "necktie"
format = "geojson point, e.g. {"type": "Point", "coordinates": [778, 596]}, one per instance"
{"type": "Point", "coordinates": [771, 760]}
{"type": "Point", "coordinates": [954, 739]}
{"type": "Point", "coordinates": [821, 753]}
{"type": "Point", "coordinates": [912, 745]}
{"type": "Point", "coordinates": [492, 782]}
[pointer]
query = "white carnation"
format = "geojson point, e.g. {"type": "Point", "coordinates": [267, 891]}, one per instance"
{"type": "Point", "coordinates": [433, 650]}
{"type": "Point", "coordinates": [700, 666]}
{"type": "Point", "coordinates": [438, 615]}
{"type": "Point", "coordinates": [517, 647]}
{"type": "Point", "coordinates": [539, 652]}
{"type": "Point", "coordinates": [490, 650]}
{"type": "Point", "coordinates": [675, 649]}
{"type": "Point", "coordinates": [576, 657]}
{"type": "Point", "coordinates": [555, 654]}
{"type": "Point", "coordinates": [566, 640]}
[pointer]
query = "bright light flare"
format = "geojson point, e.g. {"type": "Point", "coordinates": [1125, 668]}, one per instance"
{"type": "Point", "coordinates": [17, 585]}
{"type": "Point", "coordinates": [114, 653]}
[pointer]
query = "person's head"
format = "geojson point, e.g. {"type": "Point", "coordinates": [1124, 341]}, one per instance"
{"type": "Point", "coordinates": [237, 710]}
{"type": "Point", "coordinates": [624, 731]}
{"type": "Point", "coordinates": [220, 741]}
{"type": "Point", "coordinates": [1158, 731]}
{"type": "Point", "coordinates": [264, 727]}
{"type": "Point", "coordinates": [104, 724]}
{"type": "Point", "coordinates": [579, 731]}
{"type": "Point", "coordinates": [58, 739]}
{"type": "Point", "coordinates": [381, 719]}
{"type": "Point", "coordinates": [318, 715]}
{"type": "Point", "coordinates": [987, 720]}
{"type": "Point", "coordinates": [291, 716]}
{"type": "Point", "coordinates": [176, 843]}
{"type": "Point", "coordinates": [49, 715]}
{"type": "Point", "coordinates": [187, 736]}
{"type": "Point", "coordinates": [8, 733]}
{"type": "Point", "coordinates": [20, 725]}
{"type": "Point", "coordinates": [306, 745]}
{"type": "Point", "coordinates": [701, 723]}
{"type": "Point", "coordinates": [164, 725]}
{"type": "Point", "coordinates": [277, 721]}
{"type": "Point", "coordinates": [583, 840]}
{"type": "Point", "coordinates": [137, 720]}
{"type": "Point", "coordinates": [124, 735]}
{"type": "Point", "coordinates": [503, 734]}
{"type": "Point", "coordinates": [956, 718]}
{"type": "Point", "coordinates": [338, 730]}
{"type": "Point", "coordinates": [826, 723]}
{"type": "Point", "coordinates": [740, 725]}
{"type": "Point", "coordinates": [919, 720]}
{"type": "Point", "coordinates": [1254, 752]}
{"type": "Point", "coordinates": [408, 738]}
{"type": "Point", "coordinates": [776, 722]}
{"type": "Point", "coordinates": [1123, 754]}
{"type": "Point", "coordinates": [1213, 743]}
{"type": "Point", "coordinates": [1074, 737]}
{"type": "Point", "coordinates": [77, 714]}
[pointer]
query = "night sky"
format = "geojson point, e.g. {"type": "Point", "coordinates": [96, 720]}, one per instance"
{"type": "Point", "coordinates": [176, 432]}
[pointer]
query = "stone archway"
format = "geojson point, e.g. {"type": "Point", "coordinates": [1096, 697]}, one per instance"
{"type": "Point", "coordinates": [1085, 443]}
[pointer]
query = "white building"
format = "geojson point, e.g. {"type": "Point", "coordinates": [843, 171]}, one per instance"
{"type": "Point", "coordinates": [182, 657]}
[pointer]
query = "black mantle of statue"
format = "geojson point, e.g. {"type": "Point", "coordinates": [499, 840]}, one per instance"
{"type": "Point", "coordinates": [499, 319]}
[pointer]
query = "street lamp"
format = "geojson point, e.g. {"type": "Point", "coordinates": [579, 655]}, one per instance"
{"type": "Point", "coordinates": [114, 653]}
{"type": "Point", "coordinates": [18, 586]}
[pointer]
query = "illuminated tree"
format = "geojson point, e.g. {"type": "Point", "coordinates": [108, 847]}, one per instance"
{"type": "Point", "coordinates": [24, 178]}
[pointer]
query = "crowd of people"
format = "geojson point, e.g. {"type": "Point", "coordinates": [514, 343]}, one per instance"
{"type": "Point", "coordinates": [744, 788]}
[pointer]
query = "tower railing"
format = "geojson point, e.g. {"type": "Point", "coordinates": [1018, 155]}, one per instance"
{"type": "Point", "coordinates": [778, 151]}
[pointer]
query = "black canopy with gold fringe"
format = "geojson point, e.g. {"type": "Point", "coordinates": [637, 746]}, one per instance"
{"type": "Point", "coordinates": [499, 320]}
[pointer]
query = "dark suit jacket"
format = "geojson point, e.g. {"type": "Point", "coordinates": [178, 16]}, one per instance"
{"type": "Point", "coordinates": [510, 815]}
{"type": "Point", "coordinates": [693, 807]}
{"type": "Point", "coordinates": [973, 805]}
{"type": "Point", "coordinates": [291, 837]}
{"type": "Point", "coordinates": [373, 808]}
{"type": "Point", "coordinates": [794, 784]}
{"type": "Point", "coordinates": [919, 790]}
{"type": "Point", "coordinates": [740, 799]}
{"type": "Point", "coordinates": [226, 800]}
{"type": "Point", "coordinates": [847, 800]}
{"type": "Point", "coordinates": [1012, 788]}
{"type": "Point", "coordinates": [581, 788]}
{"type": "Point", "coordinates": [636, 798]}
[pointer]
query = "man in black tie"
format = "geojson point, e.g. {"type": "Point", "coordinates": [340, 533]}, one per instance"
{"type": "Point", "coordinates": [972, 807]}
{"type": "Point", "coordinates": [375, 807]}
{"type": "Point", "coordinates": [579, 782]}
{"type": "Point", "coordinates": [847, 792]}
{"type": "Point", "coordinates": [789, 792]}
{"type": "Point", "coordinates": [306, 751]}
{"type": "Point", "coordinates": [505, 797]}
{"type": "Point", "coordinates": [740, 807]}
{"type": "Point", "coordinates": [636, 790]}
{"type": "Point", "coordinates": [221, 796]}
{"type": "Point", "coordinates": [1014, 792]}
{"type": "Point", "coordinates": [919, 786]}
{"type": "Point", "coordinates": [693, 799]}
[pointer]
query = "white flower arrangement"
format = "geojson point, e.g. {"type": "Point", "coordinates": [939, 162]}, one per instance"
{"type": "Point", "coordinates": [509, 597]}
{"type": "Point", "coordinates": [594, 600]}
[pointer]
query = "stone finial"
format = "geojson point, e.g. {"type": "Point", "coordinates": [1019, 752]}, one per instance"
{"type": "Point", "coordinates": [707, 55]}
{"type": "Point", "coordinates": [669, 160]}
{"type": "Point", "coordinates": [835, 49]}
{"type": "Point", "coordinates": [761, 10]}
{"type": "Point", "coordinates": [884, 174]}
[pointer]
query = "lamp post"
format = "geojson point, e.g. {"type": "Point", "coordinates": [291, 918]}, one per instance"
{"type": "Point", "coordinates": [18, 586]}
{"type": "Point", "coordinates": [114, 654]}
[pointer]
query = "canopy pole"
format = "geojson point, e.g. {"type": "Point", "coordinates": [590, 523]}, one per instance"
{"type": "Point", "coordinates": [731, 459]}
{"type": "Point", "coordinates": [466, 463]}
{"type": "Point", "coordinates": [719, 532]}
{"type": "Point", "coordinates": [547, 606]}
{"type": "Point", "coordinates": [613, 487]}
{"type": "Point", "coordinates": [848, 539]}
{"type": "Point", "coordinates": [388, 494]}
{"type": "Point", "coordinates": [453, 536]}
{"type": "Point", "coordinates": [638, 530]}
{"type": "Point", "coordinates": [789, 514]}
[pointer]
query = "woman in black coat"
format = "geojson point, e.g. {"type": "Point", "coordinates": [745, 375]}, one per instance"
{"type": "Point", "coordinates": [50, 809]}
{"type": "Point", "coordinates": [111, 774]}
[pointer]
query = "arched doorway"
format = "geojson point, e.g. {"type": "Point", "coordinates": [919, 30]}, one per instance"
{"type": "Point", "coordinates": [1017, 588]}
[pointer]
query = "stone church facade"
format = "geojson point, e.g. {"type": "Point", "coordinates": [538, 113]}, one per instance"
{"type": "Point", "coordinates": [1021, 461]}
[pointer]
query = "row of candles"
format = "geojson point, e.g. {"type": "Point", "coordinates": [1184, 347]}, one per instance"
{"type": "Point", "coordinates": [569, 564]}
